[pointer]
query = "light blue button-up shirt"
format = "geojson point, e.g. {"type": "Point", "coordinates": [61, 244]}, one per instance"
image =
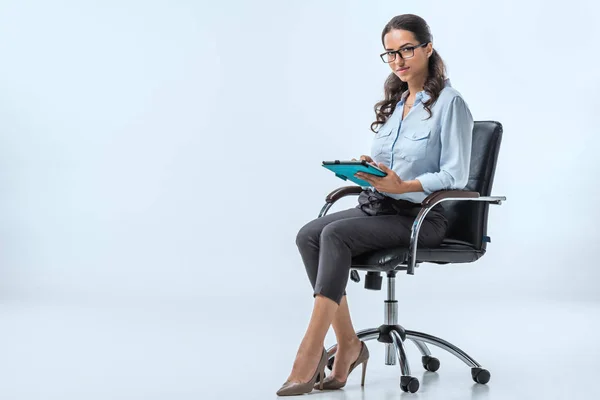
{"type": "Point", "coordinates": [435, 151]}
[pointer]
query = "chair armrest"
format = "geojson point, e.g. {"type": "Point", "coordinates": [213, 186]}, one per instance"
{"type": "Point", "coordinates": [341, 192]}
{"type": "Point", "coordinates": [431, 201]}
{"type": "Point", "coordinates": [434, 198]}
{"type": "Point", "coordinates": [338, 194]}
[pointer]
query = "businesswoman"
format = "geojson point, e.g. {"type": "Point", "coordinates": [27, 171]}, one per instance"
{"type": "Point", "coordinates": [424, 144]}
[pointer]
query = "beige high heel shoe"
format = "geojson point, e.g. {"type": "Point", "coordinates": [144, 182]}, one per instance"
{"type": "Point", "coordinates": [294, 388]}
{"type": "Point", "coordinates": [331, 383]}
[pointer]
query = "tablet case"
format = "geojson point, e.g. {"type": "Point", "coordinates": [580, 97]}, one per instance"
{"type": "Point", "coordinates": [346, 169]}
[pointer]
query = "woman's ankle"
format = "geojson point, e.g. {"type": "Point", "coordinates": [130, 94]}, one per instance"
{"type": "Point", "coordinates": [348, 342]}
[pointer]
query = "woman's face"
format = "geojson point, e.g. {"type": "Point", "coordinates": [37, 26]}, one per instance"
{"type": "Point", "coordinates": [410, 68]}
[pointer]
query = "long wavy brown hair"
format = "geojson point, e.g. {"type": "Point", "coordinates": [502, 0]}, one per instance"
{"type": "Point", "coordinates": [393, 86]}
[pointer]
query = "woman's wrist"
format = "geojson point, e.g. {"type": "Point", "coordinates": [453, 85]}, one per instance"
{"type": "Point", "coordinates": [410, 186]}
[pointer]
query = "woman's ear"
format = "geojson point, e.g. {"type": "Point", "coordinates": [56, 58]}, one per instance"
{"type": "Point", "coordinates": [429, 49]}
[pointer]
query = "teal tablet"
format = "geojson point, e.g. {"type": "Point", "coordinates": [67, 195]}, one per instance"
{"type": "Point", "coordinates": [346, 169]}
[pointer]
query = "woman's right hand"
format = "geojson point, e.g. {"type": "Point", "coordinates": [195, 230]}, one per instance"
{"type": "Point", "coordinates": [366, 158]}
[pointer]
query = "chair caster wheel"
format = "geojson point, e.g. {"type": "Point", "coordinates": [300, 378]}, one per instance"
{"type": "Point", "coordinates": [480, 375]}
{"type": "Point", "coordinates": [409, 384]}
{"type": "Point", "coordinates": [430, 363]}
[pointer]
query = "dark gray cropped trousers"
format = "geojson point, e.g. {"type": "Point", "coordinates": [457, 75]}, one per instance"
{"type": "Point", "coordinates": [327, 244]}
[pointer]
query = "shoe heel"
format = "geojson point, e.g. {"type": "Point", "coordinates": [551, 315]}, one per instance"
{"type": "Point", "coordinates": [322, 379]}
{"type": "Point", "coordinates": [321, 366]}
{"type": "Point", "coordinates": [364, 372]}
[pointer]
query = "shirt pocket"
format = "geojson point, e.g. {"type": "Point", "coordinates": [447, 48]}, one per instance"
{"type": "Point", "coordinates": [413, 145]}
{"type": "Point", "coordinates": [381, 141]}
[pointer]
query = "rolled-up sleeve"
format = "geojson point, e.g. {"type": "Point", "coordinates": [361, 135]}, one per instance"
{"type": "Point", "coordinates": [456, 136]}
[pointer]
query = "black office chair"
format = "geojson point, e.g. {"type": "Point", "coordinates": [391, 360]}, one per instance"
{"type": "Point", "coordinates": [467, 212]}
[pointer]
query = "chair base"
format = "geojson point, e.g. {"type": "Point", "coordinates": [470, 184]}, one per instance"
{"type": "Point", "coordinates": [393, 337]}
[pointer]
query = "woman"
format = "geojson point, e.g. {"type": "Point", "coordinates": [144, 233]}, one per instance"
{"type": "Point", "coordinates": [424, 145]}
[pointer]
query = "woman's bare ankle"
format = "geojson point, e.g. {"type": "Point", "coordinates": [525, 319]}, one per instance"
{"type": "Point", "coordinates": [348, 343]}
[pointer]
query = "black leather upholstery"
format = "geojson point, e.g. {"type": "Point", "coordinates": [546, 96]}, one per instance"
{"type": "Point", "coordinates": [451, 251]}
{"type": "Point", "coordinates": [467, 219]}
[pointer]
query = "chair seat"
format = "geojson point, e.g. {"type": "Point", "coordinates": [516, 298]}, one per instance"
{"type": "Point", "coordinates": [450, 251]}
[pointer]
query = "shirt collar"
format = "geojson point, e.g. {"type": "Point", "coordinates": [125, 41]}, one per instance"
{"type": "Point", "coordinates": [421, 96]}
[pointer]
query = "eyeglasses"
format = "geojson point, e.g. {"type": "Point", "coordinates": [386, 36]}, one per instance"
{"type": "Point", "coordinates": [404, 53]}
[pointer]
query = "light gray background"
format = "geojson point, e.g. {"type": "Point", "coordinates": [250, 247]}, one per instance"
{"type": "Point", "coordinates": [145, 205]}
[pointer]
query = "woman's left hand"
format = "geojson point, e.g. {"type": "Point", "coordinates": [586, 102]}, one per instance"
{"type": "Point", "coordinates": [391, 183]}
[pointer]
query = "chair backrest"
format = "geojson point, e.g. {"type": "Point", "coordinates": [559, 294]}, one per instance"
{"type": "Point", "coordinates": [468, 219]}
